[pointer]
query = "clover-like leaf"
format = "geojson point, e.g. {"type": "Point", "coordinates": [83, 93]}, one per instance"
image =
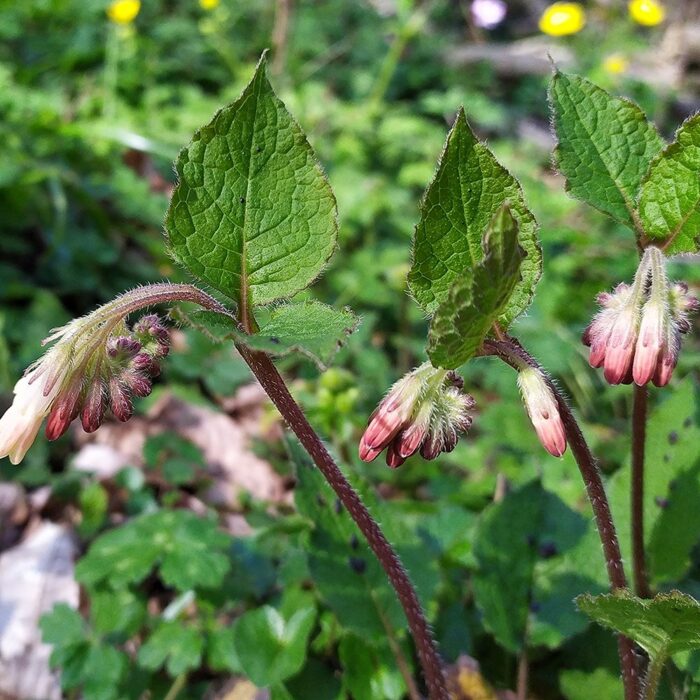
{"type": "Point", "coordinates": [478, 297]}
{"type": "Point", "coordinates": [669, 203]}
{"type": "Point", "coordinates": [605, 145]}
{"type": "Point", "coordinates": [469, 188]}
{"type": "Point", "coordinates": [253, 214]}
{"type": "Point", "coordinates": [664, 625]}
{"type": "Point", "coordinates": [173, 644]}
{"type": "Point", "coordinates": [310, 328]}
{"type": "Point", "coordinates": [271, 644]}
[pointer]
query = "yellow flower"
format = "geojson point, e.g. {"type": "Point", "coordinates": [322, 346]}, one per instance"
{"type": "Point", "coordinates": [123, 11]}
{"type": "Point", "coordinates": [647, 12]}
{"type": "Point", "coordinates": [563, 18]}
{"type": "Point", "coordinates": [616, 63]}
{"type": "Point", "coordinates": [209, 4]}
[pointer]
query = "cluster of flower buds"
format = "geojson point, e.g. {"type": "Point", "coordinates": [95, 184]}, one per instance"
{"type": "Point", "coordinates": [424, 411]}
{"type": "Point", "coordinates": [96, 362]}
{"type": "Point", "coordinates": [637, 334]}
{"type": "Point", "coordinates": [542, 408]}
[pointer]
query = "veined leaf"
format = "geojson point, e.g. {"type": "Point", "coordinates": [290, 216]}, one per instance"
{"type": "Point", "coordinates": [469, 187]}
{"type": "Point", "coordinates": [309, 328]}
{"type": "Point", "coordinates": [664, 625]}
{"type": "Point", "coordinates": [605, 145]}
{"type": "Point", "coordinates": [253, 214]}
{"type": "Point", "coordinates": [478, 297]}
{"type": "Point", "coordinates": [669, 204]}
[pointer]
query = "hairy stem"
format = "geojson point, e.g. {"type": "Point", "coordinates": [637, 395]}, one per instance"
{"type": "Point", "coordinates": [511, 352]}
{"type": "Point", "coordinates": [653, 677]}
{"type": "Point", "coordinates": [275, 387]}
{"type": "Point", "coordinates": [639, 420]}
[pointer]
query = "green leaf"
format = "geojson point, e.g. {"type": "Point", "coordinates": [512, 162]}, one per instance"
{"type": "Point", "coordinates": [309, 328]}
{"type": "Point", "coordinates": [253, 214]}
{"type": "Point", "coordinates": [469, 187]}
{"type": "Point", "coordinates": [369, 672]}
{"type": "Point", "coordinates": [62, 626]}
{"type": "Point", "coordinates": [478, 297]}
{"type": "Point", "coordinates": [346, 573]}
{"type": "Point", "coordinates": [664, 625]}
{"type": "Point", "coordinates": [672, 477]}
{"type": "Point", "coordinates": [528, 570]}
{"type": "Point", "coordinates": [271, 644]}
{"type": "Point", "coordinates": [189, 550]}
{"type": "Point", "coordinates": [221, 650]}
{"type": "Point", "coordinates": [669, 204]}
{"type": "Point", "coordinates": [174, 645]}
{"type": "Point", "coordinates": [605, 145]}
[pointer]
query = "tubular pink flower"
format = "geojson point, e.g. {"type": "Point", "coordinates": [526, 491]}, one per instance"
{"type": "Point", "coordinates": [94, 360]}
{"type": "Point", "coordinates": [424, 411]}
{"type": "Point", "coordinates": [650, 342]}
{"type": "Point", "coordinates": [620, 346]}
{"type": "Point", "coordinates": [542, 408]}
{"type": "Point", "coordinates": [637, 335]}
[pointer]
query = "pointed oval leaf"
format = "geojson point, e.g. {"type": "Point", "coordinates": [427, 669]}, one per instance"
{"type": "Point", "coordinates": [253, 214]}
{"type": "Point", "coordinates": [605, 145]}
{"type": "Point", "coordinates": [669, 204]}
{"type": "Point", "coordinates": [478, 297]}
{"type": "Point", "coordinates": [469, 187]}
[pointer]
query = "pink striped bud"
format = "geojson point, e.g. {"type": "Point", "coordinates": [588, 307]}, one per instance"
{"type": "Point", "coordinates": [120, 400]}
{"type": "Point", "coordinates": [619, 351]}
{"type": "Point", "coordinates": [138, 383]}
{"type": "Point", "coordinates": [65, 409]}
{"type": "Point", "coordinates": [650, 342]}
{"type": "Point", "coordinates": [542, 408]}
{"type": "Point", "coordinates": [424, 411]}
{"type": "Point", "coordinates": [94, 407]}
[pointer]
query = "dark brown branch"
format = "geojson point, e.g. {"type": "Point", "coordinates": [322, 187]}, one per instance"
{"type": "Point", "coordinates": [271, 381]}
{"type": "Point", "coordinates": [639, 429]}
{"type": "Point", "coordinates": [516, 356]}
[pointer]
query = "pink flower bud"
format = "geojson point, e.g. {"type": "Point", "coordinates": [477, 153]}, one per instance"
{"type": "Point", "coordinates": [425, 411]}
{"type": "Point", "coordinates": [120, 400]}
{"type": "Point", "coordinates": [542, 408]}
{"type": "Point", "coordinates": [619, 350]}
{"type": "Point", "coordinates": [649, 343]}
{"type": "Point", "coordinates": [393, 458]}
{"type": "Point", "coordinates": [123, 347]}
{"type": "Point", "coordinates": [64, 410]}
{"type": "Point", "coordinates": [139, 384]}
{"type": "Point", "coordinates": [94, 407]}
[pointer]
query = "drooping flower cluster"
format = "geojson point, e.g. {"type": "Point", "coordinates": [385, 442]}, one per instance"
{"type": "Point", "coordinates": [96, 362]}
{"type": "Point", "coordinates": [541, 406]}
{"type": "Point", "coordinates": [424, 411]}
{"type": "Point", "coordinates": [637, 335]}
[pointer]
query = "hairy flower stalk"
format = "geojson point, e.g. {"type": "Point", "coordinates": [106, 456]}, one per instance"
{"type": "Point", "coordinates": [95, 362]}
{"type": "Point", "coordinates": [424, 411]}
{"type": "Point", "coordinates": [542, 408]}
{"type": "Point", "coordinates": [637, 335]}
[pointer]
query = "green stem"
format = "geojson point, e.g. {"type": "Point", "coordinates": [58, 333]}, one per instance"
{"type": "Point", "coordinates": [403, 36]}
{"type": "Point", "coordinates": [176, 687]}
{"type": "Point", "coordinates": [111, 74]}
{"type": "Point", "coordinates": [651, 682]}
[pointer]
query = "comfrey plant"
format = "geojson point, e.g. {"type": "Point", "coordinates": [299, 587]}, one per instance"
{"type": "Point", "coordinates": [253, 217]}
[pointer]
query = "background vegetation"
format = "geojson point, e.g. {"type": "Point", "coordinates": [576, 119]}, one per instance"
{"type": "Point", "coordinates": [210, 558]}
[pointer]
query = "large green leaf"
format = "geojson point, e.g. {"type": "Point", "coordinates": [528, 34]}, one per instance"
{"type": "Point", "coordinates": [605, 146]}
{"type": "Point", "coordinates": [478, 297]}
{"type": "Point", "coordinates": [253, 214]}
{"type": "Point", "coordinates": [309, 328]}
{"type": "Point", "coordinates": [174, 644]}
{"type": "Point", "coordinates": [669, 204]}
{"type": "Point", "coordinates": [530, 550]}
{"type": "Point", "coordinates": [667, 624]}
{"type": "Point", "coordinates": [469, 187]}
